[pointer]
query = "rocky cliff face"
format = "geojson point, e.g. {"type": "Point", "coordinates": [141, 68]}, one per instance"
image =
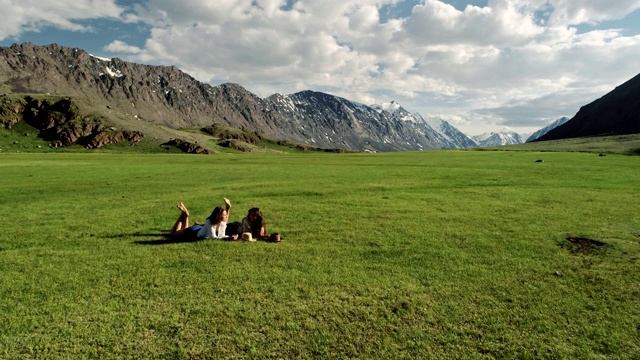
{"type": "Point", "coordinates": [165, 96]}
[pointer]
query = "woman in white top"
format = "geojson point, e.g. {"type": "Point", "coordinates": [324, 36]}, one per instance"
{"type": "Point", "coordinates": [214, 228]}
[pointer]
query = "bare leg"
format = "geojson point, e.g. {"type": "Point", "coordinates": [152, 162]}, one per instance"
{"type": "Point", "coordinates": [182, 222]}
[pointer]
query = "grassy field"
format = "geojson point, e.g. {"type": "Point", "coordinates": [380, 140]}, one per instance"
{"type": "Point", "coordinates": [443, 254]}
{"type": "Point", "coordinates": [616, 144]}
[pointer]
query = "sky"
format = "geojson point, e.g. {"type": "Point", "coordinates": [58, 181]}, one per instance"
{"type": "Point", "coordinates": [482, 65]}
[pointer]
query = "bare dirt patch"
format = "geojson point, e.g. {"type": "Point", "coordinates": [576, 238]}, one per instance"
{"type": "Point", "coordinates": [582, 245]}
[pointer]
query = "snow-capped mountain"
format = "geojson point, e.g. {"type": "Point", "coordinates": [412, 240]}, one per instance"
{"type": "Point", "coordinates": [547, 128]}
{"type": "Point", "coordinates": [457, 137]}
{"type": "Point", "coordinates": [446, 134]}
{"type": "Point", "coordinates": [325, 120]}
{"type": "Point", "coordinates": [504, 137]}
{"type": "Point", "coordinates": [414, 121]}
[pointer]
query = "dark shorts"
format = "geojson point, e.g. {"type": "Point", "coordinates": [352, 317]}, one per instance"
{"type": "Point", "coordinates": [191, 233]}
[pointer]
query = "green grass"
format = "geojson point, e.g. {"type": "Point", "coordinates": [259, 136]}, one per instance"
{"type": "Point", "coordinates": [4, 87]}
{"type": "Point", "coordinates": [22, 138]}
{"type": "Point", "coordinates": [443, 254]}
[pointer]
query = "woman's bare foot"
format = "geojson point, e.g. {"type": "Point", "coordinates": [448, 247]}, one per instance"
{"type": "Point", "coordinates": [183, 209]}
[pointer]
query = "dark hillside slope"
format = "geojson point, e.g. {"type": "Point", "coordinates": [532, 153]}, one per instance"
{"type": "Point", "coordinates": [616, 113]}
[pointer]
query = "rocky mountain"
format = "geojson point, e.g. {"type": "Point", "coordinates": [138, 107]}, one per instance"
{"type": "Point", "coordinates": [326, 120]}
{"type": "Point", "coordinates": [455, 136]}
{"type": "Point", "coordinates": [503, 137]}
{"type": "Point", "coordinates": [156, 99]}
{"type": "Point", "coordinates": [448, 135]}
{"type": "Point", "coordinates": [157, 95]}
{"type": "Point", "coordinates": [547, 128]}
{"type": "Point", "coordinates": [616, 113]}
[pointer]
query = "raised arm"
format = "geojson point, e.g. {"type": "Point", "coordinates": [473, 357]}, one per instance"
{"type": "Point", "coordinates": [227, 204]}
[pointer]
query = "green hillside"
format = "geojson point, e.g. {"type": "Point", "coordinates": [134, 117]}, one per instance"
{"type": "Point", "coordinates": [619, 144]}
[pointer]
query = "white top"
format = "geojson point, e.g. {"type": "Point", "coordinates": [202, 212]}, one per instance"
{"type": "Point", "coordinates": [208, 231]}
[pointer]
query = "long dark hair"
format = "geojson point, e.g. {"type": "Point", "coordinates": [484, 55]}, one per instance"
{"type": "Point", "coordinates": [258, 222]}
{"type": "Point", "coordinates": [216, 214]}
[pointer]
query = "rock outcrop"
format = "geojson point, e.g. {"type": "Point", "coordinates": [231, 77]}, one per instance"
{"type": "Point", "coordinates": [188, 147]}
{"type": "Point", "coordinates": [60, 121]}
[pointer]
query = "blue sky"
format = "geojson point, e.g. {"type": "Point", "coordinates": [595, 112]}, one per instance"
{"type": "Point", "coordinates": [482, 65]}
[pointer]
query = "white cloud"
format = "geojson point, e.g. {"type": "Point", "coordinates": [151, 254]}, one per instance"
{"type": "Point", "coordinates": [436, 23]}
{"type": "Point", "coordinates": [574, 12]}
{"type": "Point", "coordinates": [118, 46]}
{"type": "Point", "coordinates": [18, 16]}
{"type": "Point", "coordinates": [513, 62]}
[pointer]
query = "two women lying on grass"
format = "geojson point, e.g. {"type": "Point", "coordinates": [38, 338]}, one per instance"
{"type": "Point", "coordinates": [215, 227]}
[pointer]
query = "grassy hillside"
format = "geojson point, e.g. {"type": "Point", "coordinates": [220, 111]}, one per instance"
{"type": "Point", "coordinates": [443, 254]}
{"type": "Point", "coordinates": [619, 144]}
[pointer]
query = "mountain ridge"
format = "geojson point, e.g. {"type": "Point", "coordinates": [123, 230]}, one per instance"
{"type": "Point", "coordinates": [449, 135]}
{"type": "Point", "coordinates": [158, 100]}
{"type": "Point", "coordinates": [138, 97]}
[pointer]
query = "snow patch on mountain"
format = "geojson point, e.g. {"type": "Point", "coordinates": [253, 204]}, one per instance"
{"type": "Point", "coordinates": [506, 136]}
{"type": "Point", "coordinates": [114, 72]}
{"type": "Point", "coordinates": [439, 130]}
{"type": "Point", "coordinates": [100, 58]}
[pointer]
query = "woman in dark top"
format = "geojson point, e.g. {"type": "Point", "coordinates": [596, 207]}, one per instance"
{"type": "Point", "coordinates": [254, 223]}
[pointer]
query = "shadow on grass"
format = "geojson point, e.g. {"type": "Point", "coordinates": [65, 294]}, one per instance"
{"type": "Point", "coordinates": [166, 238]}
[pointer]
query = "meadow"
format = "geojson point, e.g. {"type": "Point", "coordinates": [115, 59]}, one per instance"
{"type": "Point", "coordinates": [440, 254]}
